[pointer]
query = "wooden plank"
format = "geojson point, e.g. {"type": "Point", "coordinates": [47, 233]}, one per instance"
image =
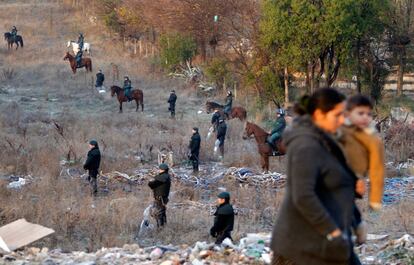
{"type": "Point", "coordinates": [21, 233]}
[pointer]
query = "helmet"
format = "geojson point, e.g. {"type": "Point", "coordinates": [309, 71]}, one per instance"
{"type": "Point", "coordinates": [229, 92]}
{"type": "Point", "coordinates": [163, 166]}
{"type": "Point", "coordinates": [280, 111]}
{"type": "Point", "coordinates": [224, 195]}
{"type": "Point", "coordinates": [195, 129]}
{"type": "Point", "coordinates": [93, 142]}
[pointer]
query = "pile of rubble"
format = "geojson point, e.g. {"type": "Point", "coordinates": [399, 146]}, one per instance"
{"type": "Point", "coordinates": [252, 249]}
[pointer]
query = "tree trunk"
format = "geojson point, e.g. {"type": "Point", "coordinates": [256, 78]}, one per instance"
{"type": "Point", "coordinates": [286, 79]}
{"type": "Point", "coordinates": [400, 71]}
{"type": "Point", "coordinates": [359, 70]}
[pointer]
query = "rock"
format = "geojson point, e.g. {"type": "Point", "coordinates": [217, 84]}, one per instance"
{"type": "Point", "coordinates": [167, 262]}
{"type": "Point", "coordinates": [156, 254]}
{"type": "Point", "coordinates": [197, 262]}
{"type": "Point", "coordinates": [204, 254]}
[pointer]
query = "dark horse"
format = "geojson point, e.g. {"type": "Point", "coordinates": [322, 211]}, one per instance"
{"type": "Point", "coordinates": [11, 40]}
{"type": "Point", "coordinates": [85, 62]}
{"type": "Point", "coordinates": [135, 94]}
{"type": "Point", "coordinates": [236, 112]}
{"type": "Point", "coordinates": [265, 150]}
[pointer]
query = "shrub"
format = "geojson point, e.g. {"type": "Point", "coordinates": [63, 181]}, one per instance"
{"type": "Point", "coordinates": [176, 49]}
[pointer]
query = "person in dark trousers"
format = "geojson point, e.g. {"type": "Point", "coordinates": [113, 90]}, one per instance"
{"type": "Point", "coordinates": [223, 218]}
{"type": "Point", "coordinates": [100, 78]}
{"type": "Point", "coordinates": [127, 88]}
{"type": "Point", "coordinates": [215, 119]}
{"type": "Point", "coordinates": [221, 135]}
{"type": "Point", "coordinates": [194, 149]}
{"type": "Point", "coordinates": [277, 128]}
{"type": "Point", "coordinates": [161, 189]}
{"type": "Point", "coordinates": [228, 104]}
{"type": "Point", "coordinates": [78, 58]}
{"type": "Point", "coordinates": [314, 222]}
{"type": "Point", "coordinates": [92, 165]}
{"type": "Point", "coordinates": [171, 100]}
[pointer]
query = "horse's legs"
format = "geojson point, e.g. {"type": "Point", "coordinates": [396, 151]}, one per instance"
{"type": "Point", "coordinates": [120, 107]}
{"type": "Point", "coordinates": [142, 106]}
{"type": "Point", "coordinates": [136, 101]}
{"type": "Point", "coordinates": [265, 162]}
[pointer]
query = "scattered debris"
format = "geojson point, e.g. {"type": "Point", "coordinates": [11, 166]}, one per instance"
{"type": "Point", "coordinates": [396, 189]}
{"type": "Point", "coordinates": [21, 233]}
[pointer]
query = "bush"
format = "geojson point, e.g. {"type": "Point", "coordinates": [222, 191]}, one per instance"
{"type": "Point", "coordinates": [176, 49]}
{"type": "Point", "coordinates": [218, 72]}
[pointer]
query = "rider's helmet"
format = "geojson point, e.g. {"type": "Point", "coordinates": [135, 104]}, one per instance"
{"type": "Point", "coordinates": [80, 34]}
{"type": "Point", "coordinates": [280, 111]}
{"type": "Point", "coordinates": [172, 91]}
{"type": "Point", "coordinates": [163, 166]}
{"type": "Point", "coordinates": [126, 77]}
{"type": "Point", "coordinates": [229, 92]}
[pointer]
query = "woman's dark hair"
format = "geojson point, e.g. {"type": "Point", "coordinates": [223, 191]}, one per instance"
{"type": "Point", "coordinates": [324, 99]}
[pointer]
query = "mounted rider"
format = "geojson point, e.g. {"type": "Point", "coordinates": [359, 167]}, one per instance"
{"type": "Point", "coordinates": [13, 32]}
{"type": "Point", "coordinates": [228, 104]}
{"type": "Point", "coordinates": [127, 88]}
{"type": "Point", "coordinates": [277, 128]}
{"type": "Point", "coordinates": [79, 54]}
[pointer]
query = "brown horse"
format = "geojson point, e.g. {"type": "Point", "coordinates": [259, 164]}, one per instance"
{"type": "Point", "coordinates": [265, 150]}
{"type": "Point", "coordinates": [135, 94]}
{"type": "Point", "coordinates": [236, 112]}
{"type": "Point", "coordinates": [85, 62]}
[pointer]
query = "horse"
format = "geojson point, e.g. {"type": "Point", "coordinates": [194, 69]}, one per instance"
{"type": "Point", "coordinates": [11, 40]}
{"type": "Point", "coordinates": [236, 112]}
{"type": "Point", "coordinates": [136, 94]}
{"type": "Point", "coordinates": [75, 47]}
{"type": "Point", "coordinates": [85, 62]}
{"type": "Point", "coordinates": [265, 150]}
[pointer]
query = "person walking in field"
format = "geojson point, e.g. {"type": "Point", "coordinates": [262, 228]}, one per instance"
{"type": "Point", "coordinates": [171, 100]}
{"type": "Point", "coordinates": [194, 149]}
{"type": "Point", "coordinates": [364, 151]}
{"type": "Point", "coordinates": [315, 219]}
{"type": "Point", "coordinates": [92, 165]}
{"type": "Point", "coordinates": [100, 78]}
{"type": "Point", "coordinates": [161, 190]}
{"type": "Point", "coordinates": [223, 218]}
{"type": "Point", "coordinates": [221, 136]}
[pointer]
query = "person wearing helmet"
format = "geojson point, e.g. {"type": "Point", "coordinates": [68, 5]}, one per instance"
{"type": "Point", "coordinates": [194, 149]}
{"type": "Point", "coordinates": [171, 100]}
{"type": "Point", "coordinates": [127, 88]}
{"type": "Point", "coordinates": [13, 32]}
{"type": "Point", "coordinates": [223, 218]}
{"type": "Point", "coordinates": [278, 127]}
{"type": "Point", "coordinates": [81, 41]}
{"type": "Point", "coordinates": [228, 104]}
{"type": "Point", "coordinates": [161, 189]}
{"type": "Point", "coordinates": [92, 165]}
{"type": "Point", "coordinates": [100, 78]}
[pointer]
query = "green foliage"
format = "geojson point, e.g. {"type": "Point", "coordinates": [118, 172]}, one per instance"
{"type": "Point", "coordinates": [107, 11]}
{"type": "Point", "coordinates": [176, 49]}
{"type": "Point", "coordinates": [219, 72]}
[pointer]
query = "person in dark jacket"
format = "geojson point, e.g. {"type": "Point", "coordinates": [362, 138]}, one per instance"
{"type": "Point", "coordinates": [92, 165]}
{"type": "Point", "coordinates": [221, 135]}
{"type": "Point", "coordinates": [215, 119]}
{"type": "Point", "coordinates": [314, 222]}
{"type": "Point", "coordinates": [172, 99]}
{"type": "Point", "coordinates": [194, 149]}
{"type": "Point", "coordinates": [223, 218]}
{"type": "Point", "coordinates": [127, 88]}
{"type": "Point", "coordinates": [100, 78]}
{"type": "Point", "coordinates": [81, 40]}
{"type": "Point", "coordinates": [228, 104]}
{"type": "Point", "coordinates": [14, 32]}
{"type": "Point", "coordinates": [161, 189]}
{"type": "Point", "coordinates": [277, 129]}
{"type": "Point", "coordinates": [78, 58]}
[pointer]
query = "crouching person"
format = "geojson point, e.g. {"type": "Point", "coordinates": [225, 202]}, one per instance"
{"type": "Point", "coordinates": [224, 218]}
{"type": "Point", "coordinates": [161, 189]}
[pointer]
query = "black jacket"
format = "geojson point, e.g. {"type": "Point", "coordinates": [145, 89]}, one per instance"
{"type": "Point", "coordinates": [221, 131]}
{"type": "Point", "coordinates": [93, 160]}
{"type": "Point", "coordinates": [195, 144]}
{"type": "Point", "coordinates": [215, 118]}
{"type": "Point", "coordinates": [223, 220]}
{"type": "Point", "coordinates": [100, 78]}
{"type": "Point", "coordinates": [161, 186]}
{"type": "Point", "coordinates": [172, 99]}
{"type": "Point", "coordinates": [319, 198]}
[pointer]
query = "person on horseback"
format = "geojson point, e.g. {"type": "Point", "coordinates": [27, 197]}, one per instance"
{"type": "Point", "coordinates": [277, 129]}
{"type": "Point", "coordinates": [78, 58]}
{"type": "Point", "coordinates": [127, 88]}
{"type": "Point", "coordinates": [228, 104]}
{"type": "Point", "coordinates": [13, 32]}
{"type": "Point", "coordinates": [81, 40]}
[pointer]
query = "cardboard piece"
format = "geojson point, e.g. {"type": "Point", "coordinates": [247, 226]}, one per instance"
{"type": "Point", "coordinates": [21, 233]}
